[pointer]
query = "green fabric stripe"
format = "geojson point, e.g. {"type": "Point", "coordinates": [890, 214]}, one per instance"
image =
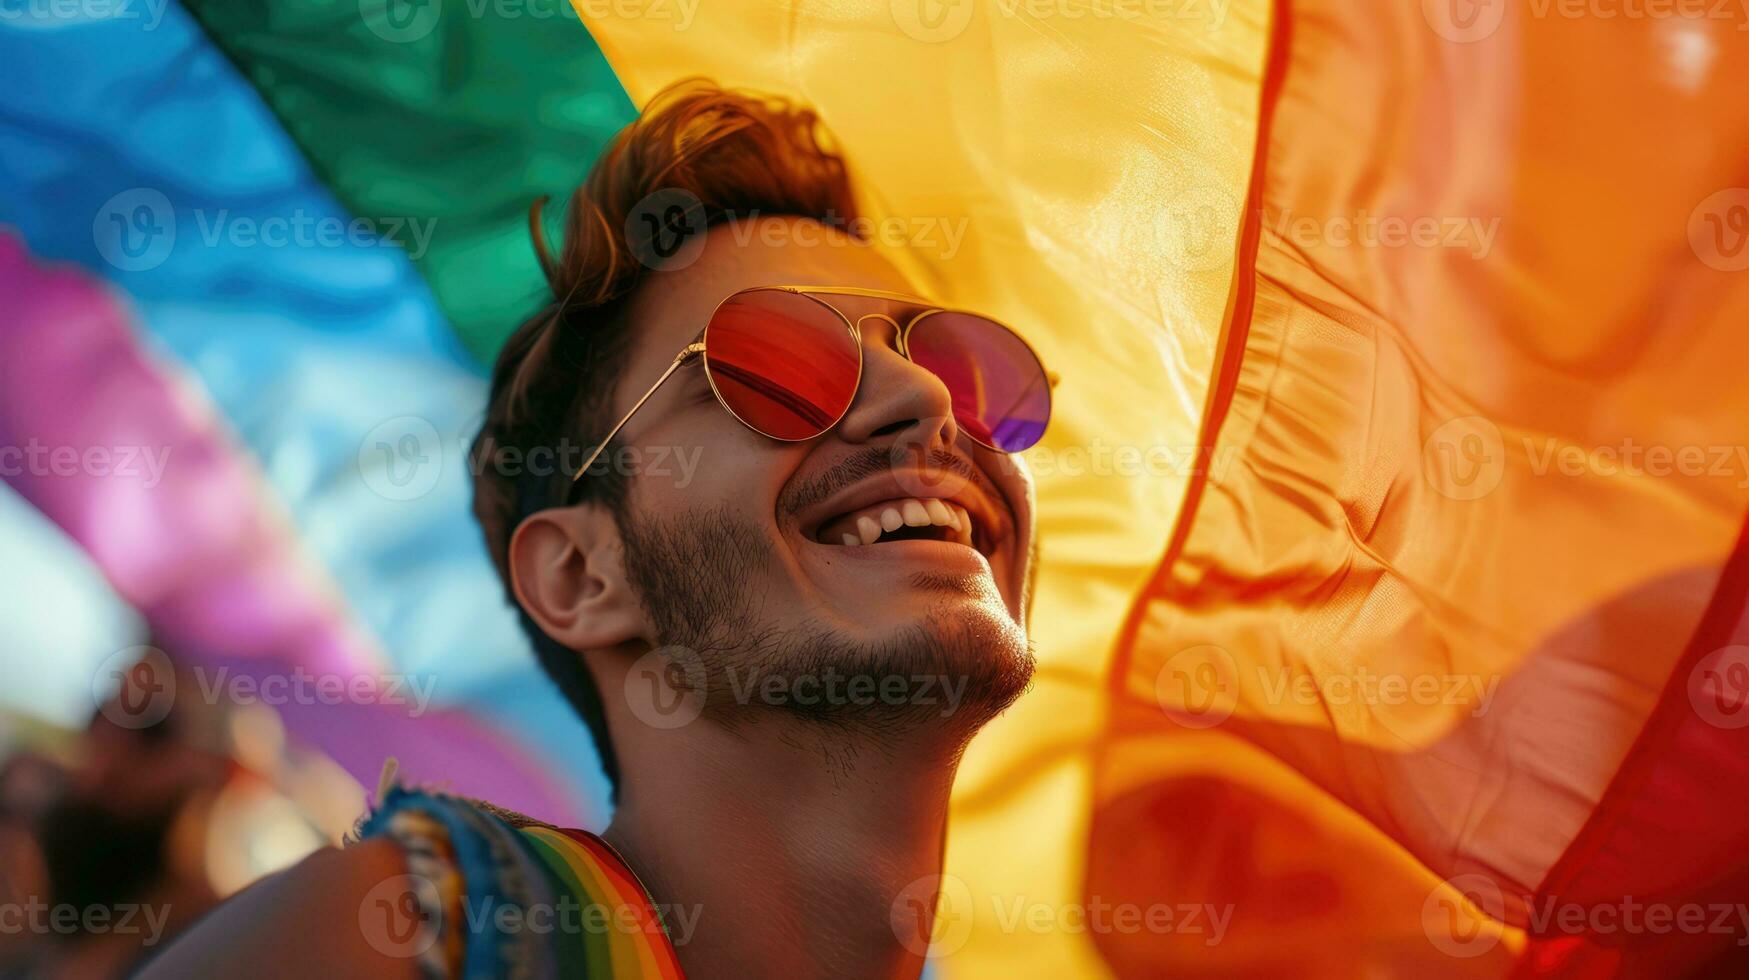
{"type": "Point", "coordinates": [459, 112]}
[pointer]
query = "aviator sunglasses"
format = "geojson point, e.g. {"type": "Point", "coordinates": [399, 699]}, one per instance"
{"type": "Point", "coordinates": [786, 363]}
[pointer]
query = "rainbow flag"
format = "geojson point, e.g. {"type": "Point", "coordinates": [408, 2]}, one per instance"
{"type": "Point", "coordinates": [1391, 611]}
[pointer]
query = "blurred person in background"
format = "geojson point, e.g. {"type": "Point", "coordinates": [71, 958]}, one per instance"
{"type": "Point", "coordinates": [117, 839]}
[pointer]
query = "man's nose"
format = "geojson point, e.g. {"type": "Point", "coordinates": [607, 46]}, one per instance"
{"type": "Point", "coordinates": [897, 397]}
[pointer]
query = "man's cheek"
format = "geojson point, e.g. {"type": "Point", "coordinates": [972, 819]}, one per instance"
{"type": "Point", "coordinates": [688, 465]}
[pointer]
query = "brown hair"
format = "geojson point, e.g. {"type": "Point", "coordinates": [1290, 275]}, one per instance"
{"type": "Point", "coordinates": [728, 155]}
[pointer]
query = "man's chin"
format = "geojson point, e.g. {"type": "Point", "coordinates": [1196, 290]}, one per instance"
{"type": "Point", "coordinates": [954, 671]}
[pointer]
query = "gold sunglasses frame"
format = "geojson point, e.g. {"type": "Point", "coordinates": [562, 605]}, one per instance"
{"type": "Point", "coordinates": [697, 349]}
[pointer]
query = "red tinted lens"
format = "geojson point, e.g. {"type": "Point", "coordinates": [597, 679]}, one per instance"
{"type": "Point", "coordinates": [1001, 395]}
{"type": "Point", "coordinates": [784, 363]}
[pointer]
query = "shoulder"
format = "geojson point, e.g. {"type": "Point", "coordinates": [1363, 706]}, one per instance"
{"type": "Point", "coordinates": [395, 901]}
{"type": "Point", "coordinates": [309, 919]}
{"type": "Point", "coordinates": [434, 885]}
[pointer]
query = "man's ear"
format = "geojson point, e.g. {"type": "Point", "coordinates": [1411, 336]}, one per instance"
{"type": "Point", "coordinates": [567, 567]}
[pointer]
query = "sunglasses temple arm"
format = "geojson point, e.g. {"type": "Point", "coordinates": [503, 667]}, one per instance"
{"type": "Point", "coordinates": [691, 351]}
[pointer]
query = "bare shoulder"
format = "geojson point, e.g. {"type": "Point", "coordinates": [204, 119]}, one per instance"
{"type": "Point", "coordinates": [311, 919]}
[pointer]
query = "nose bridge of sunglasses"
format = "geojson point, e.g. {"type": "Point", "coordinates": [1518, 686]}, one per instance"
{"type": "Point", "coordinates": [881, 328]}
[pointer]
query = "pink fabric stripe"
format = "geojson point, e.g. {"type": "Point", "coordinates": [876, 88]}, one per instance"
{"type": "Point", "coordinates": [86, 421]}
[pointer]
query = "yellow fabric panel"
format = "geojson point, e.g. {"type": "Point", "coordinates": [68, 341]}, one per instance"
{"type": "Point", "coordinates": [1097, 154]}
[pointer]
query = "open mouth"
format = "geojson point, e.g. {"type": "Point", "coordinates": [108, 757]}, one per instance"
{"type": "Point", "coordinates": [905, 519]}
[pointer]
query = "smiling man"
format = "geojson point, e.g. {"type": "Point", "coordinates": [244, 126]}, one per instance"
{"type": "Point", "coordinates": [782, 655]}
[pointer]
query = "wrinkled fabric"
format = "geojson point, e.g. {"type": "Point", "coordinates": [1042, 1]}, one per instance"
{"type": "Point", "coordinates": [457, 116]}
{"type": "Point", "coordinates": [133, 148]}
{"type": "Point", "coordinates": [1499, 462]}
{"type": "Point", "coordinates": [189, 538]}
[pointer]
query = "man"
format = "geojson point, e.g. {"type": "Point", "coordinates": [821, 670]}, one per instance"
{"type": "Point", "coordinates": [781, 650]}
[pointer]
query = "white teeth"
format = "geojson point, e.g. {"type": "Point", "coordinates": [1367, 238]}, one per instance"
{"type": "Point", "coordinates": [938, 513]}
{"type": "Point", "coordinates": [916, 512]}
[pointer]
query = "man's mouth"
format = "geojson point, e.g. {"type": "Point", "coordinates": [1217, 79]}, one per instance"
{"type": "Point", "coordinates": [906, 519]}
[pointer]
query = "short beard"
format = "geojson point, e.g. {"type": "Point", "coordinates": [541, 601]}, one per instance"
{"type": "Point", "coordinates": [690, 574]}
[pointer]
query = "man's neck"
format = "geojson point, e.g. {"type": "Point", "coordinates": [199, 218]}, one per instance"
{"type": "Point", "coordinates": [781, 849]}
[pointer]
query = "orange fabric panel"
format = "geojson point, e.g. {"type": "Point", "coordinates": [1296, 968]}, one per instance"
{"type": "Point", "coordinates": [1477, 430]}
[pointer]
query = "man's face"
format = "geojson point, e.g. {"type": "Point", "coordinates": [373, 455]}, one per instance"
{"type": "Point", "coordinates": [736, 542]}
